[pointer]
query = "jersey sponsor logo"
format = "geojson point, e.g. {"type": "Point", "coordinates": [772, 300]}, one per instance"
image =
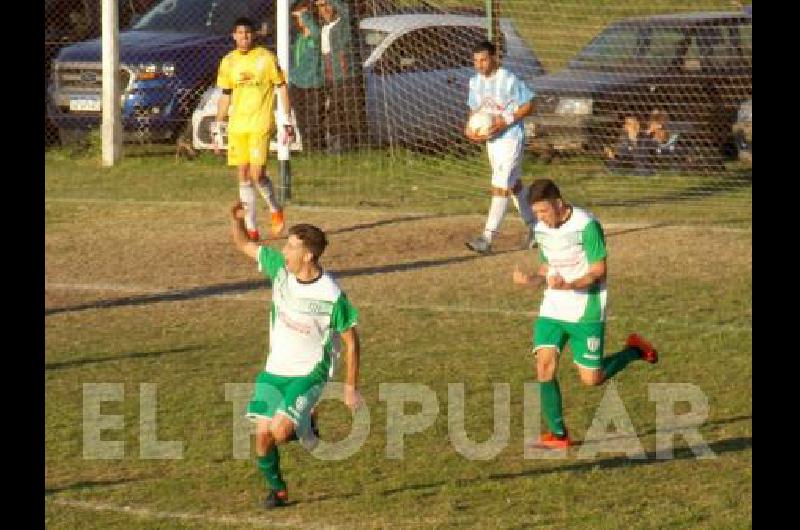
{"type": "Point", "coordinates": [593, 343]}
{"type": "Point", "coordinates": [293, 324]}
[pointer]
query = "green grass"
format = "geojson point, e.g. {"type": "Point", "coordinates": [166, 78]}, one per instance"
{"type": "Point", "coordinates": [404, 181]}
{"type": "Point", "coordinates": [430, 313]}
{"type": "Point", "coordinates": [445, 317]}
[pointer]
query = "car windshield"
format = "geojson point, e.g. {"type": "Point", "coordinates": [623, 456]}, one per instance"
{"type": "Point", "coordinates": [200, 16]}
{"type": "Point", "coordinates": [631, 46]}
{"type": "Point", "coordinates": [371, 39]}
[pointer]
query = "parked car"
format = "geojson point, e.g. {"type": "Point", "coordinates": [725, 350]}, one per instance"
{"type": "Point", "coordinates": [416, 74]}
{"type": "Point", "coordinates": [70, 21]}
{"type": "Point", "coordinates": [167, 60]}
{"type": "Point", "coordinates": [697, 67]}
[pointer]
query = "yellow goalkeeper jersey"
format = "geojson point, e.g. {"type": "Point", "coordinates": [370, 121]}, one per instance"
{"type": "Point", "coordinates": [253, 76]}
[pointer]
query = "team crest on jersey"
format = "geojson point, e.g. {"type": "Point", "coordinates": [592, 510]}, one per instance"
{"type": "Point", "coordinates": [593, 343]}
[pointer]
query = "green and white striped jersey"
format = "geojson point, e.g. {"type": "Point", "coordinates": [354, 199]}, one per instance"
{"type": "Point", "coordinates": [305, 320]}
{"type": "Point", "coordinates": [569, 250]}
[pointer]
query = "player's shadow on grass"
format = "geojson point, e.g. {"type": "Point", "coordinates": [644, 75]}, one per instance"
{"type": "Point", "coordinates": [252, 285]}
{"type": "Point", "coordinates": [729, 445]}
{"type": "Point", "coordinates": [690, 193]}
{"type": "Point", "coordinates": [133, 355]}
{"type": "Point", "coordinates": [87, 484]}
{"type": "Point", "coordinates": [412, 265]}
{"type": "Point", "coordinates": [170, 296]}
{"type": "Point", "coordinates": [383, 222]}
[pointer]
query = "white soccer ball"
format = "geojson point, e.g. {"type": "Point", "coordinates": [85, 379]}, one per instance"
{"type": "Point", "coordinates": [480, 123]}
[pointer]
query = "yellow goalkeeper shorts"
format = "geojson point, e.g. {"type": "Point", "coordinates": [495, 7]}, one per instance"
{"type": "Point", "coordinates": [248, 148]}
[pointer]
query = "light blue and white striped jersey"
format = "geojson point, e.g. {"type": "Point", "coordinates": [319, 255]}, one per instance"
{"type": "Point", "coordinates": [496, 94]}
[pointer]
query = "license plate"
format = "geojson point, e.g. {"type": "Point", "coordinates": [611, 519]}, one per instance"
{"type": "Point", "coordinates": [85, 104]}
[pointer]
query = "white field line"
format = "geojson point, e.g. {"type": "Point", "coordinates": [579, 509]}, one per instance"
{"type": "Point", "coordinates": [146, 513]}
{"type": "Point", "coordinates": [265, 296]}
{"type": "Point", "coordinates": [379, 212]}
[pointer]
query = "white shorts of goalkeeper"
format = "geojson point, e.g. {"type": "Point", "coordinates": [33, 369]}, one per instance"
{"type": "Point", "coordinates": [505, 157]}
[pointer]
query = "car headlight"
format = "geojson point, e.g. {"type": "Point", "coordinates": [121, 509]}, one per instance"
{"type": "Point", "coordinates": [155, 71]}
{"type": "Point", "coordinates": [574, 106]}
{"type": "Point", "coordinates": [746, 111]}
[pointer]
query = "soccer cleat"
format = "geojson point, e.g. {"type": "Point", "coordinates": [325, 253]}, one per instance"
{"type": "Point", "coordinates": [253, 235]}
{"type": "Point", "coordinates": [530, 241]}
{"type": "Point", "coordinates": [549, 440]}
{"type": "Point", "coordinates": [277, 223]}
{"type": "Point", "coordinates": [479, 245]}
{"type": "Point", "coordinates": [648, 353]}
{"type": "Point", "coordinates": [276, 499]}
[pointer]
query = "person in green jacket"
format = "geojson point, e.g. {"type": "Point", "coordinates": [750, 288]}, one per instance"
{"type": "Point", "coordinates": [305, 77]}
{"type": "Point", "coordinates": [344, 91]}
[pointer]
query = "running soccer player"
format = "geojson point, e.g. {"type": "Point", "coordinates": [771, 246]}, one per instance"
{"type": "Point", "coordinates": [248, 77]}
{"type": "Point", "coordinates": [572, 261]}
{"type": "Point", "coordinates": [309, 314]}
{"type": "Point", "coordinates": [500, 93]}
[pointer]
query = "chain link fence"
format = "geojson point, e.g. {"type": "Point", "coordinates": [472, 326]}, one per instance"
{"type": "Point", "coordinates": [642, 88]}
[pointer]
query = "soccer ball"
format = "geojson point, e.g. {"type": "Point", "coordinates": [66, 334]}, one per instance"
{"type": "Point", "coordinates": [480, 123]}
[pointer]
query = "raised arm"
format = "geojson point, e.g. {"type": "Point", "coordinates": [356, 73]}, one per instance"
{"type": "Point", "coordinates": [239, 232]}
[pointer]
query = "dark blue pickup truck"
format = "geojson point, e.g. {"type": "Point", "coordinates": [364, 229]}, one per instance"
{"type": "Point", "coordinates": [167, 60]}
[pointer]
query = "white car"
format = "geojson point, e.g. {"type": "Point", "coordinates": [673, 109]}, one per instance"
{"type": "Point", "coordinates": [416, 77]}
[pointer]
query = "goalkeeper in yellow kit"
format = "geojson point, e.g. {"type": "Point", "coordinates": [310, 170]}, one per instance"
{"type": "Point", "coordinates": [248, 77]}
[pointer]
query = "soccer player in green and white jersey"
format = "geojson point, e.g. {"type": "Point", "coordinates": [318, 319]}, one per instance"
{"type": "Point", "coordinates": [572, 261]}
{"type": "Point", "coordinates": [309, 313]}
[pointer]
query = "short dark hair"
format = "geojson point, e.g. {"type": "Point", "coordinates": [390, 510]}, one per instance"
{"type": "Point", "coordinates": [312, 237]}
{"type": "Point", "coordinates": [543, 190]}
{"type": "Point", "coordinates": [244, 21]}
{"type": "Point", "coordinates": [485, 46]}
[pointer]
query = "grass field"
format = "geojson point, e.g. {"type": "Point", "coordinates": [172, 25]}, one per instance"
{"type": "Point", "coordinates": [144, 286]}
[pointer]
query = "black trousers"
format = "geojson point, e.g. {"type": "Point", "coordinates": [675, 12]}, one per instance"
{"type": "Point", "coordinates": [309, 107]}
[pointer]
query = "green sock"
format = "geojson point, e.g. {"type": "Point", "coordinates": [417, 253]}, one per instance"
{"type": "Point", "coordinates": [615, 363]}
{"type": "Point", "coordinates": [550, 396]}
{"type": "Point", "coordinates": [270, 466]}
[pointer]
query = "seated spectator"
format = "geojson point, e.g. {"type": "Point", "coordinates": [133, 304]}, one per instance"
{"type": "Point", "coordinates": [632, 153]}
{"type": "Point", "coordinates": [665, 150]}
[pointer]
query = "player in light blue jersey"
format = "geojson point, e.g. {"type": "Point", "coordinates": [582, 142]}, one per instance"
{"type": "Point", "coordinates": [501, 94]}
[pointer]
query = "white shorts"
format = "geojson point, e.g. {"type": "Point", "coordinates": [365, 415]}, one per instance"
{"type": "Point", "coordinates": [505, 157]}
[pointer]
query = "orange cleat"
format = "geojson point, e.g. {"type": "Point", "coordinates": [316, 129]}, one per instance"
{"type": "Point", "coordinates": [549, 440]}
{"type": "Point", "coordinates": [277, 223]}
